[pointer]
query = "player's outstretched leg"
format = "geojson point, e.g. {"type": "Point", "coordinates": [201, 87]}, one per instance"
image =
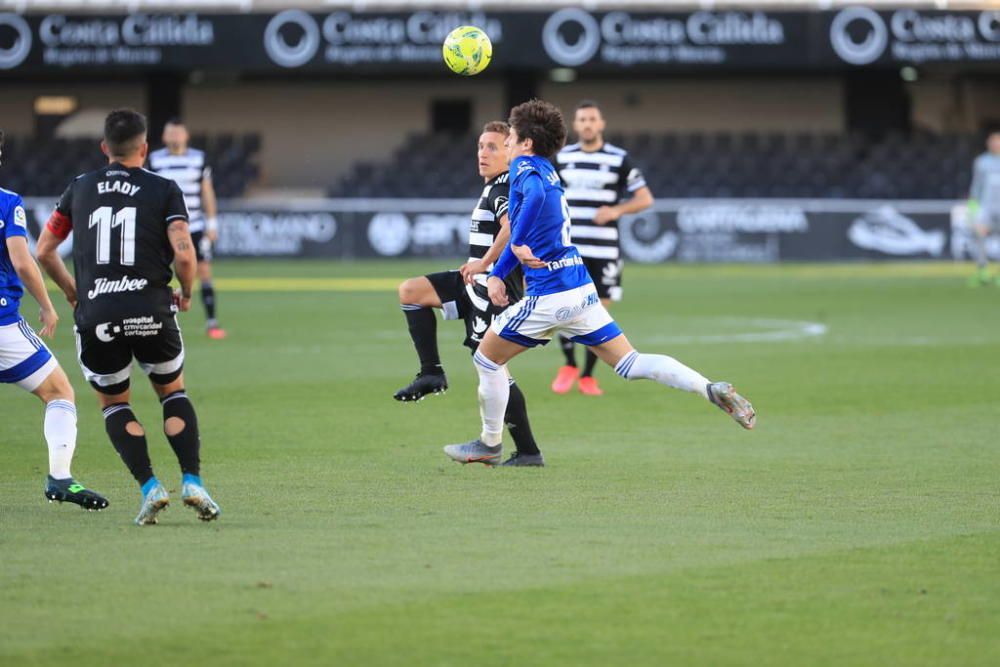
{"type": "Point", "coordinates": [632, 365]}
{"type": "Point", "coordinates": [60, 436]}
{"type": "Point", "coordinates": [180, 424]}
{"type": "Point", "coordinates": [417, 299]}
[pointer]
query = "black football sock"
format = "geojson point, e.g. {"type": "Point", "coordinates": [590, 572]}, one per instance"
{"type": "Point", "coordinates": [132, 448]}
{"type": "Point", "coordinates": [208, 299]}
{"type": "Point", "coordinates": [517, 422]}
{"type": "Point", "coordinates": [590, 360]}
{"type": "Point", "coordinates": [185, 442]}
{"type": "Point", "coordinates": [568, 348]}
{"type": "Point", "coordinates": [423, 331]}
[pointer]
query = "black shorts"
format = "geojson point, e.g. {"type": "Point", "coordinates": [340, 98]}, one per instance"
{"type": "Point", "coordinates": [106, 350]}
{"type": "Point", "coordinates": [466, 302]}
{"type": "Point", "coordinates": [607, 276]}
{"type": "Point", "coordinates": [202, 246]}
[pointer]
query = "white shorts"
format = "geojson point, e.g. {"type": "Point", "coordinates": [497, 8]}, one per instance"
{"type": "Point", "coordinates": [24, 358]}
{"type": "Point", "coordinates": [576, 313]}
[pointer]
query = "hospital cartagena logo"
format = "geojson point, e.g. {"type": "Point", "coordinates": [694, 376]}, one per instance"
{"type": "Point", "coordinates": [15, 41]}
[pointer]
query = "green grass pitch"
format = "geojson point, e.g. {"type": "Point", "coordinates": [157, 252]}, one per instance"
{"type": "Point", "coordinates": [858, 525]}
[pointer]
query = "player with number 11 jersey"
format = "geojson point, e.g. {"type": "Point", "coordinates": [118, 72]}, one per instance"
{"type": "Point", "coordinates": [130, 232]}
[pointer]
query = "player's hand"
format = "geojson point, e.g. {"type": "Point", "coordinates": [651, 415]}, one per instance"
{"type": "Point", "coordinates": [212, 235]}
{"type": "Point", "coordinates": [182, 302]}
{"type": "Point", "coordinates": [70, 299]}
{"type": "Point", "coordinates": [527, 257]}
{"type": "Point", "coordinates": [982, 231]}
{"type": "Point", "coordinates": [471, 269]}
{"type": "Point", "coordinates": [606, 214]}
{"type": "Point", "coordinates": [497, 292]}
{"type": "Point", "coordinates": [49, 319]}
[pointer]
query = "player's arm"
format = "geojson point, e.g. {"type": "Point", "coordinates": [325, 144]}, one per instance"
{"type": "Point", "coordinates": [47, 251]}
{"type": "Point", "coordinates": [640, 198]}
{"type": "Point", "coordinates": [975, 192]}
{"type": "Point", "coordinates": [27, 271]}
{"type": "Point", "coordinates": [474, 267]}
{"type": "Point", "coordinates": [185, 260]}
{"type": "Point", "coordinates": [210, 206]}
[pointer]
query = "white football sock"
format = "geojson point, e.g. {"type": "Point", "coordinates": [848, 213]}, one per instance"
{"type": "Point", "coordinates": [494, 392]}
{"type": "Point", "coordinates": [665, 370]}
{"type": "Point", "coordinates": [60, 434]}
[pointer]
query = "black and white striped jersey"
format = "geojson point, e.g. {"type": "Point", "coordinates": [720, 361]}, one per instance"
{"type": "Point", "coordinates": [188, 170]}
{"type": "Point", "coordinates": [593, 179]}
{"type": "Point", "coordinates": [485, 225]}
{"type": "Point", "coordinates": [492, 206]}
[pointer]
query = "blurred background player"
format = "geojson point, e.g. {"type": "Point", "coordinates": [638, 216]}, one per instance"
{"type": "Point", "coordinates": [984, 205]}
{"type": "Point", "coordinates": [189, 169]}
{"type": "Point", "coordinates": [602, 185]}
{"type": "Point", "coordinates": [27, 362]}
{"type": "Point", "coordinates": [128, 224]}
{"type": "Point", "coordinates": [462, 295]}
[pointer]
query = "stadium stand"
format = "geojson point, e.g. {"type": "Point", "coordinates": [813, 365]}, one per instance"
{"type": "Point", "coordinates": [919, 166]}
{"type": "Point", "coordinates": [45, 167]}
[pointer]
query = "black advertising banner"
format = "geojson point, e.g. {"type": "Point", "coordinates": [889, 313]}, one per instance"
{"type": "Point", "coordinates": [410, 42]}
{"type": "Point", "coordinates": [690, 231]}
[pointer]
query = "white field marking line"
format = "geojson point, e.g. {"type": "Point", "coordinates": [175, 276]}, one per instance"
{"type": "Point", "coordinates": [774, 331]}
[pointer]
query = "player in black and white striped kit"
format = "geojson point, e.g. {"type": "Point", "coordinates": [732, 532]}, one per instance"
{"type": "Point", "coordinates": [601, 185]}
{"type": "Point", "coordinates": [190, 170]}
{"type": "Point", "coordinates": [461, 295]}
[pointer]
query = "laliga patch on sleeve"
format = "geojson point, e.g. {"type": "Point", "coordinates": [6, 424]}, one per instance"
{"type": "Point", "coordinates": [20, 219]}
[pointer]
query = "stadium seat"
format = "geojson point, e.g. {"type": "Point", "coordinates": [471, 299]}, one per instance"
{"type": "Point", "coordinates": [700, 164]}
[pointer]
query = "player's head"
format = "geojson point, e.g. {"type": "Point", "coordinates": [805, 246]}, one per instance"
{"type": "Point", "coordinates": [993, 141]}
{"type": "Point", "coordinates": [492, 155]}
{"type": "Point", "coordinates": [536, 128]}
{"type": "Point", "coordinates": [588, 122]}
{"type": "Point", "coordinates": [125, 135]}
{"type": "Point", "coordinates": [175, 135]}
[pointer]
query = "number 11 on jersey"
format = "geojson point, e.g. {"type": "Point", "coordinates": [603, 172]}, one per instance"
{"type": "Point", "coordinates": [106, 220]}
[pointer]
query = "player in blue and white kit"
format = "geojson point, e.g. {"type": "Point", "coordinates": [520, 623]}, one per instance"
{"type": "Point", "coordinates": [560, 296]}
{"type": "Point", "coordinates": [27, 362]}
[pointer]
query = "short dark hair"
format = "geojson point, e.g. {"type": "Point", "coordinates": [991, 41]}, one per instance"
{"type": "Point", "coordinates": [542, 123]}
{"type": "Point", "coordinates": [496, 126]}
{"type": "Point", "coordinates": [174, 120]}
{"type": "Point", "coordinates": [588, 104]}
{"type": "Point", "coordinates": [124, 130]}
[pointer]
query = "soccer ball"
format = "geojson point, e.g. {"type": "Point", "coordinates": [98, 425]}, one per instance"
{"type": "Point", "coordinates": [467, 50]}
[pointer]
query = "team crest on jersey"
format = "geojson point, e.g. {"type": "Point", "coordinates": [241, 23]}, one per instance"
{"type": "Point", "coordinates": [20, 219]}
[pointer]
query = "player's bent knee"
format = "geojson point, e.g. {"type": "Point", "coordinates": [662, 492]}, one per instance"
{"type": "Point", "coordinates": [55, 387]}
{"type": "Point", "coordinates": [166, 379]}
{"type": "Point", "coordinates": [112, 389]}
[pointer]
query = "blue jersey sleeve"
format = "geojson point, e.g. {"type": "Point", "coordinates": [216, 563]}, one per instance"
{"type": "Point", "coordinates": [14, 217]}
{"type": "Point", "coordinates": [532, 200]}
{"type": "Point", "coordinates": [504, 264]}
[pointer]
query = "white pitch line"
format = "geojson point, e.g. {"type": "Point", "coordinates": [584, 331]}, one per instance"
{"type": "Point", "coordinates": [774, 331]}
